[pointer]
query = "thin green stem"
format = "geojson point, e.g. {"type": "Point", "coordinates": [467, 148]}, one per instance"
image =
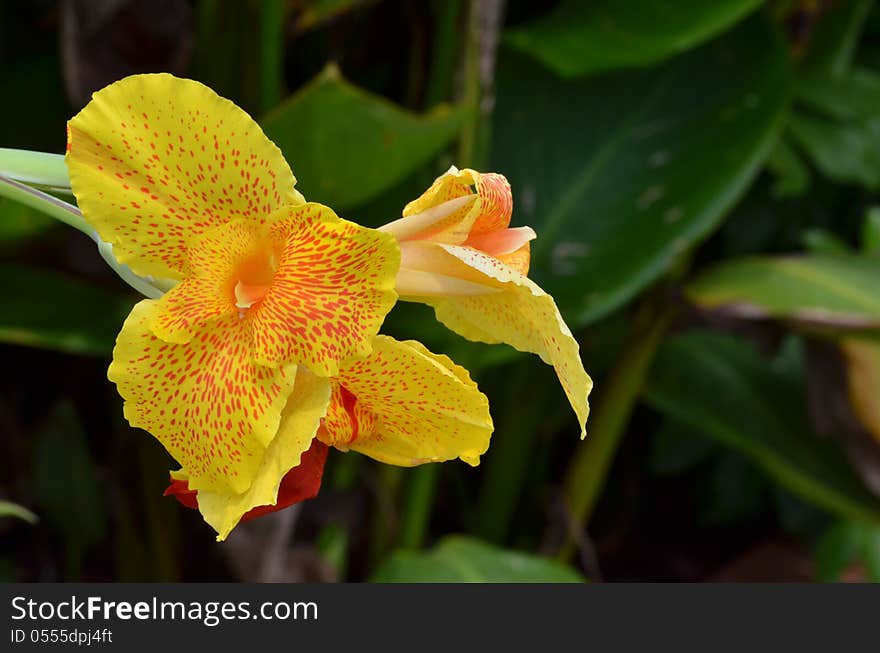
{"type": "Point", "coordinates": [444, 50]}
{"type": "Point", "coordinates": [45, 203]}
{"type": "Point", "coordinates": [470, 90]}
{"type": "Point", "coordinates": [484, 27]}
{"type": "Point", "coordinates": [588, 471]}
{"type": "Point", "coordinates": [271, 52]}
{"type": "Point", "coordinates": [34, 168]}
{"type": "Point", "coordinates": [71, 215]}
{"type": "Point", "coordinates": [418, 501]}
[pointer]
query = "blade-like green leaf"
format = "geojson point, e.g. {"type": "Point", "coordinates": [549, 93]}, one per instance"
{"type": "Point", "coordinates": [620, 174]}
{"type": "Point", "coordinates": [834, 291]}
{"type": "Point", "coordinates": [723, 388]}
{"type": "Point", "coordinates": [843, 151]}
{"type": "Point", "coordinates": [855, 94]}
{"type": "Point", "coordinates": [19, 222]}
{"type": "Point", "coordinates": [582, 38]}
{"type": "Point", "coordinates": [9, 509]}
{"type": "Point", "coordinates": [458, 559]}
{"type": "Point", "coordinates": [53, 311]}
{"type": "Point", "coordinates": [833, 43]}
{"type": "Point", "coordinates": [346, 146]}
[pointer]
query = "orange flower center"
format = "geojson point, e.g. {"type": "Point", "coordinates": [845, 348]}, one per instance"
{"type": "Point", "coordinates": [254, 276]}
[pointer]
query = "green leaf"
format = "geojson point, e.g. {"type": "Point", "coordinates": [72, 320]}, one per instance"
{"type": "Point", "coordinates": [620, 174]}
{"type": "Point", "coordinates": [834, 40]}
{"type": "Point", "coordinates": [827, 291]}
{"type": "Point", "coordinates": [855, 94]}
{"type": "Point", "coordinates": [871, 231]}
{"type": "Point", "coordinates": [66, 482]}
{"type": "Point", "coordinates": [346, 146]}
{"type": "Point", "coordinates": [720, 386]}
{"type": "Point", "coordinates": [9, 509]}
{"type": "Point", "coordinates": [792, 174]}
{"type": "Point", "coordinates": [846, 543]}
{"type": "Point", "coordinates": [582, 38]}
{"type": "Point", "coordinates": [837, 549]}
{"type": "Point", "coordinates": [842, 151]}
{"type": "Point", "coordinates": [19, 222]}
{"type": "Point", "coordinates": [820, 241]}
{"type": "Point", "coordinates": [53, 311]}
{"type": "Point", "coordinates": [459, 559]}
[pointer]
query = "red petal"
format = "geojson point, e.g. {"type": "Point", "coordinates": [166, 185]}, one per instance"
{"type": "Point", "coordinates": [300, 483]}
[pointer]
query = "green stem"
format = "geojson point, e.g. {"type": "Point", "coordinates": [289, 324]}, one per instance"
{"type": "Point", "coordinates": [71, 215]}
{"type": "Point", "coordinates": [484, 26]}
{"type": "Point", "coordinates": [34, 168]}
{"type": "Point", "coordinates": [470, 91]}
{"type": "Point", "coordinates": [271, 52]}
{"type": "Point", "coordinates": [420, 491]}
{"type": "Point", "coordinates": [588, 471]}
{"type": "Point", "coordinates": [45, 203]}
{"type": "Point", "coordinates": [444, 50]}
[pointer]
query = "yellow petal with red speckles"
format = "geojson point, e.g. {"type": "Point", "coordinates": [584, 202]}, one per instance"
{"type": "Point", "coordinates": [332, 289]}
{"type": "Point", "coordinates": [213, 409]}
{"type": "Point", "coordinates": [522, 316]}
{"type": "Point", "coordinates": [426, 408]}
{"type": "Point", "coordinates": [299, 421]}
{"type": "Point", "coordinates": [496, 203]}
{"type": "Point", "coordinates": [440, 216]}
{"type": "Point", "coordinates": [155, 161]}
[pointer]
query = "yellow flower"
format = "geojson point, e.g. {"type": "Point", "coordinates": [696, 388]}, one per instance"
{"type": "Point", "coordinates": [269, 337]}
{"type": "Point", "coordinates": [400, 405]}
{"type": "Point", "coordinates": [186, 186]}
{"type": "Point", "coordinates": [459, 255]}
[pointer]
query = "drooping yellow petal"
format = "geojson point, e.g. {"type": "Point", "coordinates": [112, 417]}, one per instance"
{"type": "Point", "coordinates": [212, 408]}
{"type": "Point", "coordinates": [424, 408]}
{"type": "Point", "coordinates": [330, 294]}
{"type": "Point", "coordinates": [523, 316]}
{"type": "Point", "coordinates": [155, 161]}
{"type": "Point", "coordinates": [299, 421]}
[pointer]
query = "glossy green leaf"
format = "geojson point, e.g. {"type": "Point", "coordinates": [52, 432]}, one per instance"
{"type": "Point", "coordinates": [53, 311]}
{"type": "Point", "coordinates": [459, 559]}
{"type": "Point", "coordinates": [347, 146]}
{"type": "Point", "coordinates": [621, 174]}
{"type": "Point", "coordinates": [582, 38]}
{"type": "Point", "coordinates": [834, 291]}
{"type": "Point", "coordinates": [9, 509]}
{"type": "Point", "coordinates": [720, 386]}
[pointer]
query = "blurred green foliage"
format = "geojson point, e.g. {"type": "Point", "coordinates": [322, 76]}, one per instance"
{"type": "Point", "coordinates": [703, 179]}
